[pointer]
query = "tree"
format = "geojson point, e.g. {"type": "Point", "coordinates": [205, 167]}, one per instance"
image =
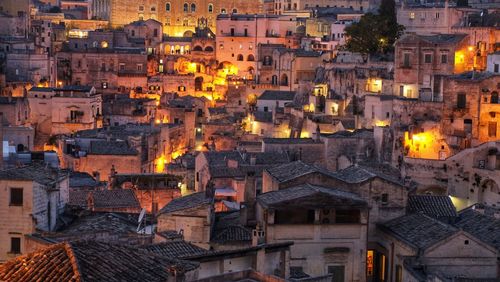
{"type": "Point", "coordinates": [375, 33]}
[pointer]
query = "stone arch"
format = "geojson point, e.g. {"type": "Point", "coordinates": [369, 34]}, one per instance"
{"type": "Point", "coordinates": [209, 49]}
{"type": "Point", "coordinates": [197, 48]}
{"type": "Point", "coordinates": [198, 83]}
{"type": "Point", "coordinates": [250, 58]}
{"type": "Point", "coordinates": [284, 80]}
{"type": "Point", "coordinates": [239, 57]}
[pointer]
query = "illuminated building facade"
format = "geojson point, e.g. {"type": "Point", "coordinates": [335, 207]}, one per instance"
{"type": "Point", "coordinates": [178, 17]}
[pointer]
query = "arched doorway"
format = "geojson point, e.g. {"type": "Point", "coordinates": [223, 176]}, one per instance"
{"type": "Point", "coordinates": [284, 80]}
{"type": "Point", "coordinates": [198, 83]}
{"type": "Point", "coordinates": [20, 147]}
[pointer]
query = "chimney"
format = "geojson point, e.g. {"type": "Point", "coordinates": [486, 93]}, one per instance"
{"type": "Point", "coordinates": [111, 177]}
{"type": "Point", "coordinates": [318, 132]}
{"type": "Point", "coordinates": [253, 159]}
{"type": "Point", "coordinates": [90, 201]}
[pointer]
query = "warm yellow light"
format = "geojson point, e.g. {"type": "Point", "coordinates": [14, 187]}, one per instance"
{"type": "Point", "coordinates": [470, 48]}
{"type": "Point", "coordinates": [157, 121]}
{"type": "Point", "coordinates": [381, 123]}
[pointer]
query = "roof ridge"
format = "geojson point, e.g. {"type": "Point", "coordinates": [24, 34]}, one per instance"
{"type": "Point", "coordinates": [73, 259]}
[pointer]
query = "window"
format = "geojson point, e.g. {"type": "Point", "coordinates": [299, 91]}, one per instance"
{"type": "Point", "coordinates": [16, 196]}
{"type": "Point", "coordinates": [444, 58]}
{"type": "Point", "coordinates": [406, 60]}
{"type": "Point", "coordinates": [295, 216]}
{"type": "Point", "coordinates": [155, 32]}
{"type": "Point", "coordinates": [492, 129]}
{"type": "Point", "coordinates": [250, 58]}
{"type": "Point", "coordinates": [494, 97]}
{"type": "Point", "coordinates": [496, 68]}
{"type": "Point", "coordinates": [210, 8]}
{"type": "Point", "coordinates": [121, 67]}
{"type": "Point", "coordinates": [240, 57]}
{"type": "Point", "coordinates": [167, 7]}
{"type": "Point", "coordinates": [186, 7]}
{"type": "Point", "coordinates": [141, 8]}
{"type": "Point", "coordinates": [153, 9]}
{"type": "Point", "coordinates": [15, 245]}
{"type": "Point", "coordinates": [235, 11]}
{"type": "Point", "coordinates": [412, 15]}
{"type": "Point", "coordinates": [139, 67]}
{"type": "Point", "coordinates": [428, 58]}
{"type": "Point", "coordinates": [399, 273]}
{"type": "Point", "coordinates": [385, 199]}
{"type": "Point", "coordinates": [193, 7]}
{"type": "Point", "coordinates": [223, 11]}
{"type": "Point", "coordinates": [347, 216]}
{"type": "Point", "coordinates": [337, 271]}
{"type": "Point", "coordinates": [461, 101]}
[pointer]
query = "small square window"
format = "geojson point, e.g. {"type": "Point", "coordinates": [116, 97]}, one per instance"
{"type": "Point", "coordinates": [16, 196]}
{"type": "Point", "coordinates": [428, 58]}
{"type": "Point", "coordinates": [15, 245]}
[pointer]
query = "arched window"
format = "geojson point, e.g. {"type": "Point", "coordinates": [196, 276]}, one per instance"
{"type": "Point", "coordinates": [193, 8]}
{"type": "Point", "coordinates": [210, 8]}
{"type": "Point", "coordinates": [167, 7]}
{"type": "Point", "coordinates": [209, 49]}
{"type": "Point", "coordinates": [197, 48]}
{"type": "Point", "coordinates": [250, 58]}
{"type": "Point", "coordinates": [494, 97]}
{"type": "Point", "coordinates": [223, 11]}
{"type": "Point", "coordinates": [235, 11]}
{"type": "Point", "coordinates": [239, 57]}
{"type": "Point", "coordinates": [186, 7]}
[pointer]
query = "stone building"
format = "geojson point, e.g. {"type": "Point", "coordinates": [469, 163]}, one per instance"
{"type": "Point", "coordinates": [116, 200]}
{"type": "Point", "coordinates": [191, 216]}
{"type": "Point", "coordinates": [421, 62]}
{"type": "Point", "coordinates": [471, 108]}
{"type": "Point", "coordinates": [328, 227]}
{"type": "Point", "coordinates": [179, 18]}
{"type": "Point", "coordinates": [153, 191]}
{"type": "Point", "coordinates": [239, 36]}
{"type": "Point", "coordinates": [65, 110]}
{"type": "Point", "coordinates": [426, 248]}
{"type": "Point", "coordinates": [33, 196]}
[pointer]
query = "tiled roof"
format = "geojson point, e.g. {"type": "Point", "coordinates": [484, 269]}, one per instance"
{"type": "Point", "coordinates": [434, 206]}
{"type": "Point", "coordinates": [308, 195]}
{"type": "Point", "coordinates": [293, 170]}
{"type": "Point", "coordinates": [262, 116]}
{"type": "Point", "coordinates": [175, 249]}
{"type": "Point", "coordinates": [226, 172]}
{"type": "Point", "coordinates": [358, 133]}
{"type": "Point", "coordinates": [484, 227]}
{"type": "Point", "coordinates": [116, 198]}
{"type": "Point", "coordinates": [103, 147]}
{"type": "Point", "coordinates": [418, 230]}
{"type": "Point", "coordinates": [92, 261]}
{"type": "Point", "coordinates": [40, 174]}
{"type": "Point", "coordinates": [227, 228]}
{"type": "Point", "coordinates": [218, 158]}
{"type": "Point", "coordinates": [186, 202]}
{"type": "Point", "coordinates": [359, 174]}
{"type": "Point", "coordinates": [277, 95]}
{"type": "Point", "coordinates": [289, 141]}
{"type": "Point", "coordinates": [81, 179]}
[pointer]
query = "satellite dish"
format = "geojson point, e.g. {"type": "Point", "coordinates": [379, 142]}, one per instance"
{"type": "Point", "coordinates": [141, 215]}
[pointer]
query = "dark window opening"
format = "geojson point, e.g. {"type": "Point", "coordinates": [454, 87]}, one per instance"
{"type": "Point", "coordinates": [16, 196]}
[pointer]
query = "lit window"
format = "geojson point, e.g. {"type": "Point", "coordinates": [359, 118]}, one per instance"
{"type": "Point", "coordinates": [412, 15]}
